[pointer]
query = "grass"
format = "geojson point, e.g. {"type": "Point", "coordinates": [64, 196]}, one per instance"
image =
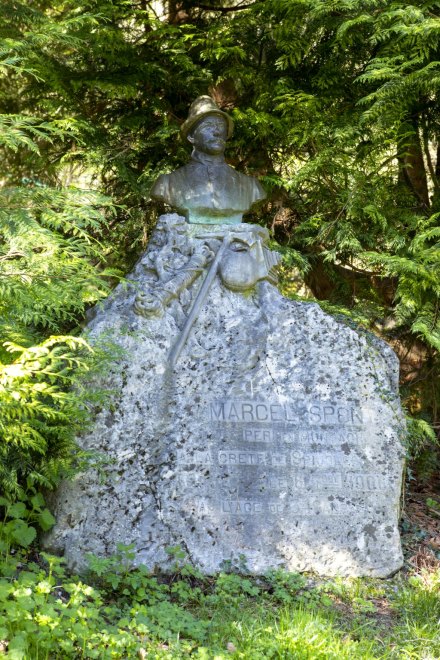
{"type": "Point", "coordinates": [47, 613]}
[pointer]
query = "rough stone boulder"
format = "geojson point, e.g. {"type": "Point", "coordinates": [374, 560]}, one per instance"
{"type": "Point", "coordinates": [242, 424]}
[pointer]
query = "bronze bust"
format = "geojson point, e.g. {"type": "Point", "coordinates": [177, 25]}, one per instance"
{"type": "Point", "coordinates": [207, 190]}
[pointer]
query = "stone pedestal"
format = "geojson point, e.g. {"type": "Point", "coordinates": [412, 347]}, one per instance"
{"type": "Point", "coordinates": [273, 433]}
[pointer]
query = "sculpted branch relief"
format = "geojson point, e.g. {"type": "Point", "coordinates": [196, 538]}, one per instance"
{"type": "Point", "coordinates": [207, 192]}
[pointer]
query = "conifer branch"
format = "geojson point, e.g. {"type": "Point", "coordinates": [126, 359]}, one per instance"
{"type": "Point", "coordinates": [225, 10]}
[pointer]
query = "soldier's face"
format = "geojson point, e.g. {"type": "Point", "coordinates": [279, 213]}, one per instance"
{"type": "Point", "coordinates": [210, 135]}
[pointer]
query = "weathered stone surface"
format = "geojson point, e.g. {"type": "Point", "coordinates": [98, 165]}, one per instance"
{"type": "Point", "coordinates": [273, 433]}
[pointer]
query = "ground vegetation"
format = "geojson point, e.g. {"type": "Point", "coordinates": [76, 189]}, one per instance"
{"type": "Point", "coordinates": [336, 110]}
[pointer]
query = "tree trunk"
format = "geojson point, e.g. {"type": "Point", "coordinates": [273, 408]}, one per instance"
{"type": "Point", "coordinates": [176, 12]}
{"type": "Point", "coordinates": [412, 171]}
{"type": "Point", "coordinates": [435, 204]}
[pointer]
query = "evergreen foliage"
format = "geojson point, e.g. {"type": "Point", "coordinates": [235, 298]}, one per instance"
{"type": "Point", "coordinates": [336, 108]}
{"type": "Point", "coordinates": [49, 274]}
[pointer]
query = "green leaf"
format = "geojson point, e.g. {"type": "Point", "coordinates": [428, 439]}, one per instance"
{"type": "Point", "coordinates": [46, 520]}
{"type": "Point", "coordinates": [37, 501]}
{"type": "Point", "coordinates": [17, 647]}
{"type": "Point", "coordinates": [23, 534]}
{"type": "Point", "coordinates": [17, 510]}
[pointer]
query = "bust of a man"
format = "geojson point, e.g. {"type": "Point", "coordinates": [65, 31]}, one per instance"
{"type": "Point", "coordinates": [207, 190]}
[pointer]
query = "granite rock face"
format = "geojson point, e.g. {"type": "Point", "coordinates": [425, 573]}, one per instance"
{"type": "Point", "coordinates": [261, 427]}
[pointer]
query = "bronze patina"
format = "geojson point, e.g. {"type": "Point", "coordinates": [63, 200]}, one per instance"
{"type": "Point", "coordinates": [207, 190]}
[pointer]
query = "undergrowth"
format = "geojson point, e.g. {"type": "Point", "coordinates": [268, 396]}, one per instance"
{"type": "Point", "coordinates": [115, 611]}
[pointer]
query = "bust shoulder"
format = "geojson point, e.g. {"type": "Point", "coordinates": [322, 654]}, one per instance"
{"type": "Point", "coordinates": [253, 186]}
{"type": "Point", "coordinates": [160, 189]}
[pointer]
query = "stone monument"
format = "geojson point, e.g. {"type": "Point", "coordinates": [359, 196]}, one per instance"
{"type": "Point", "coordinates": [242, 424]}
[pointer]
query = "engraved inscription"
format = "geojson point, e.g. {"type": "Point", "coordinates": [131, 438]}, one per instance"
{"type": "Point", "coordinates": [242, 507]}
{"type": "Point", "coordinates": [297, 470]}
{"type": "Point", "coordinates": [263, 435]}
{"type": "Point", "coordinates": [299, 435]}
{"type": "Point", "coordinates": [194, 458]}
{"type": "Point", "coordinates": [366, 482]}
{"type": "Point", "coordinates": [300, 459]}
{"type": "Point", "coordinates": [265, 412]}
{"type": "Point", "coordinates": [324, 459]}
{"type": "Point", "coordinates": [321, 481]}
{"type": "Point", "coordinates": [236, 457]}
{"type": "Point", "coordinates": [245, 507]}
